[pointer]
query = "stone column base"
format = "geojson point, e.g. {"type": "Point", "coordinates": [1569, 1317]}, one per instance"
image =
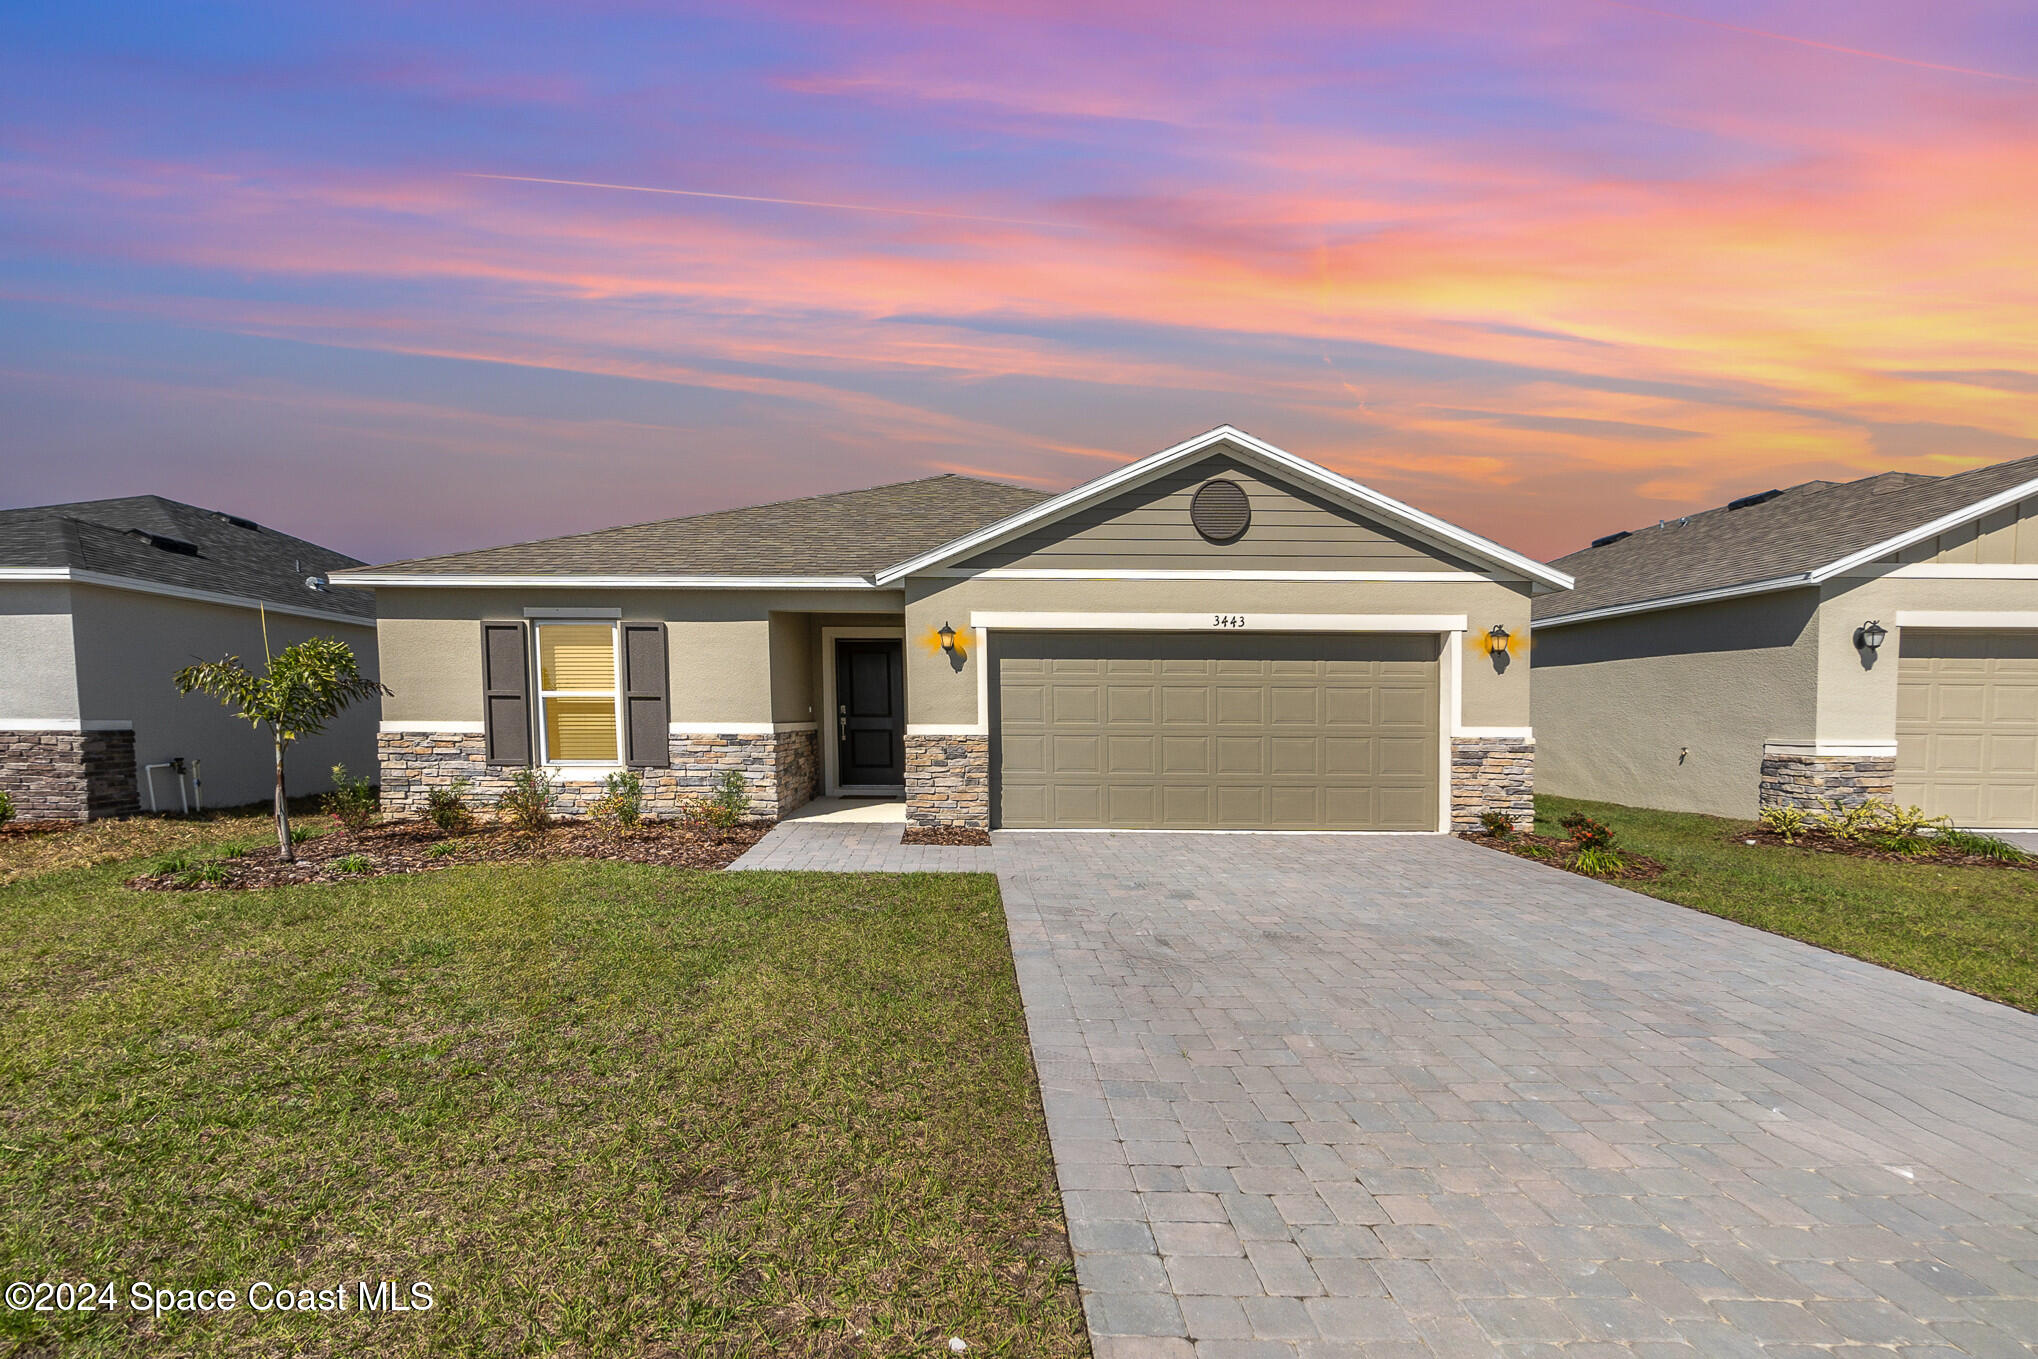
{"type": "Point", "coordinates": [1795, 777]}
{"type": "Point", "coordinates": [69, 775]}
{"type": "Point", "coordinates": [1492, 774]}
{"type": "Point", "coordinates": [778, 768]}
{"type": "Point", "coordinates": [948, 781]}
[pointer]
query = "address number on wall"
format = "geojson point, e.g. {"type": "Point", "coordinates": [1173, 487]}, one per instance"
{"type": "Point", "coordinates": [1227, 620]}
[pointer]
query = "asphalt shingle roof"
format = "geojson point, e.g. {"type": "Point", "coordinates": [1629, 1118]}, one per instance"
{"type": "Point", "coordinates": [144, 537]}
{"type": "Point", "coordinates": [847, 533]}
{"type": "Point", "coordinates": [1808, 526]}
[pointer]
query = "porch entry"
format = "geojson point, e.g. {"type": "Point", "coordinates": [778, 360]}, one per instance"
{"type": "Point", "coordinates": [870, 713]}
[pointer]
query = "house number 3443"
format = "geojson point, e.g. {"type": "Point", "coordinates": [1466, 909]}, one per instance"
{"type": "Point", "coordinates": [1227, 620]}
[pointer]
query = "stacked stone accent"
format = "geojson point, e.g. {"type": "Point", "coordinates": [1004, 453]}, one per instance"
{"type": "Point", "coordinates": [69, 775]}
{"type": "Point", "coordinates": [1804, 780]}
{"type": "Point", "coordinates": [1492, 773]}
{"type": "Point", "coordinates": [948, 781]}
{"type": "Point", "coordinates": [777, 767]}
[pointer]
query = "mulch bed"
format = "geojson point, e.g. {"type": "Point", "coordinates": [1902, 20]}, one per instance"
{"type": "Point", "coordinates": [1557, 854]}
{"type": "Point", "coordinates": [944, 835]}
{"type": "Point", "coordinates": [419, 847]}
{"type": "Point", "coordinates": [22, 830]}
{"type": "Point", "coordinates": [1824, 842]}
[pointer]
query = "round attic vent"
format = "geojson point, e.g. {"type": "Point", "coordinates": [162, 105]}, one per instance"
{"type": "Point", "coordinates": [1220, 511]}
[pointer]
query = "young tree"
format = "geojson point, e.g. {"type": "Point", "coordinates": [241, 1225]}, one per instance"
{"type": "Point", "coordinates": [302, 688]}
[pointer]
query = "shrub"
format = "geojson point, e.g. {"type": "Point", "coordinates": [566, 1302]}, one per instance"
{"type": "Point", "coordinates": [1912, 821]}
{"type": "Point", "coordinates": [176, 861]}
{"type": "Point", "coordinates": [233, 851]}
{"type": "Point", "coordinates": [446, 807]}
{"type": "Point", "coordinates": [621, 806]}
{"type": "Point", "coordinates": [1598, 861]}
{"type": "Point", "coordinates": [1982, 846]}
{"type": "Point", "coordinates": [353, 863]}
{"type": "Point", "coordinates": [1497, 824]}
{"type": "Point", "coordinates": [527, 802]}
{"type": "Point", "coordinates": [445, 849]}
{"type": "Point", "coordinates": [299, 834]}
{"type": "Point", "coordinates": [1587, 833]}
{"type": "Point", "coordinates": [724, 809]}
{"type": "Point", "coordinates": [1889, 842]}
{"type": "Point", "coordinates": [204, 874]}
{"type": "Point", "coordinates": [1786, 823]}
{"type": "Point", "coordinates": [6, 807]}
{"type": "Point", "coordinates": [351, 804]}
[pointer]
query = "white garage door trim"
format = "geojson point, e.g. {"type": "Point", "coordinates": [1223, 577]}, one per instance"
{"type": "Point", "coordinates": [1450, 680]}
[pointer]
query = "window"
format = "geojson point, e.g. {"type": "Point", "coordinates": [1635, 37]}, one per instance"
{"type": "Point", "coordinates": [577, 693]}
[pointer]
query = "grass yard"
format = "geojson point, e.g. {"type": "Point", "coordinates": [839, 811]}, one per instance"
{"type": "Point", "coordinates": [1975, 928]}
{"type": "Point", "coordinates": [603, 1108]}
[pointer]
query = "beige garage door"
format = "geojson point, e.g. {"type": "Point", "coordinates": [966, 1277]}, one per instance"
{"type": "Point", "coordinates": [1193, 731]}
{"type": "Point", "coordinates": [1967, 726]}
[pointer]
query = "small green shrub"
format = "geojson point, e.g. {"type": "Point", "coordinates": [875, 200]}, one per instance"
{"type": "Point", "coordinates": [446, 807]}
{"type": "Point", "coordinates": [1587, 833]}
{"type": "Point", "coordinates": [1786, 823]}
{"type": "Point", "coordinates": [730, 802]}
{"type": "Point", "coordinates": [1497, 824]}
{"type": "Point", "coordinates": [176, 861]}
{"type": "Point", "coordinates": [1982, 846]}
{"type": "Point", "coordinates": [527, 802]}
{"type": "Point", "coordinates": [299, 834]}
{"type": "Point", "coordinates": [6, 807]}
{"type": "Point", "coordinates": [445, 849]}
{"type": "Point", "coordinates": [353, 863]}
{"type": "Point", "coordinates": [1598, 861]}
{"type": "Point", "coordinates": [1909, 846]}
{"type": "Point", "coordinates": [621, 806]}
{"type": "Point", "coordinates": [351, 803]}
{"type": "Point", "coordinates": [1850, 822]}
{"type": "Point", "coordinates": [1912, 821]}
{"type": "Point", "coordinates": [233, 851]}
{"type": "Point", "coordinates": [207, 874]}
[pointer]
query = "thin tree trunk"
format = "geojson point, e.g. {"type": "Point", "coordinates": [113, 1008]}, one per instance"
{"type": "Point", "coordinates": [284, 849]}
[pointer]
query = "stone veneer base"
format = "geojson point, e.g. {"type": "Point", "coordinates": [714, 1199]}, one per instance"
{"type": "Point", "coordinates": [69, 775]}
{"type": "Point", "coordinates": [1802, 780]}
{"type": "Point", "coordinates": [779, 768]}
{"type": "Point", "coordinates": [1492, 774]}
{"type": "Point", "coordinates": [948, 781]}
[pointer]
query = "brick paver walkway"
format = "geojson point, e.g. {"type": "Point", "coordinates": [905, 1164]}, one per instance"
{"type": "Point", "coordinates": [858, 847]}
{"type": "Point", "coordinates": [1404, 1096]}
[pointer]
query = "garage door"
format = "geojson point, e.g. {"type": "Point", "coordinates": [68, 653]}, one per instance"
{"type": "Point", "coordinates": [1967, 726]}
{"type": "Point", "coordinates": [1190, 731]}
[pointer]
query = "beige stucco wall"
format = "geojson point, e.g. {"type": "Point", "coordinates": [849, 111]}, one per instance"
{"type": "Point", "coordinates": [129, 645]}
{"type": "Point", "coordinates": [737, 656]}
{"type": "Point", "coordinates": [938, 692]}
{"type": "Point", "coordinates": [38, 659]}
{"type": "Point", "coordinates": [1857, 700]}
{"type": "Point", "coordinates": [1672, 709]}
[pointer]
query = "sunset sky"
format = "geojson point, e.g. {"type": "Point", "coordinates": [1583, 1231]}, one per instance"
{"type": "Point", "coordinates": [1547, 269]}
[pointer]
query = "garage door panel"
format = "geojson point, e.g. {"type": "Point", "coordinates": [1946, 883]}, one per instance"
{"type": "Point", "coordinates": [1237, 731]}
{"type": "Point", "coordinates": [1967, 726]}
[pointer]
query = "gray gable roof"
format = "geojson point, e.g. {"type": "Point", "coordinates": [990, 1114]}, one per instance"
{"type": "Point", "coordinates": [847, 533]}
{"type": "Point", "coordinates": [1807, 527]}
{"type": "Point", "coordinates": [150, 539]}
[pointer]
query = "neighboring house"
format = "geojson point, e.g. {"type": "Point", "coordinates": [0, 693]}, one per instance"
{"type": "Point", "coordinates": [1729, 660]}
{"type": "Point", "coordinates": [101, 602]}
{"type": "Point", "coordinates": [1221, 635]}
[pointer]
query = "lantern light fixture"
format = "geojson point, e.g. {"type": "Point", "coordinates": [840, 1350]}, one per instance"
{"type": "Point", "coordinates": [1870, 635]}
{"type": "Point", "coordinates": [948, 638]}
{"type": "Point", "coordinates": [1496, 637]}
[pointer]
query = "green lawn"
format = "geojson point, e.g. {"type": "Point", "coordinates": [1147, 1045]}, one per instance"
{"type": "Point", "coordinates": [1971, 928]}
{"type": "Point", "coordinates": [604, 1109]}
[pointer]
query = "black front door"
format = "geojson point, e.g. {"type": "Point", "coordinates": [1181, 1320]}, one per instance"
{"type": "Point", "coordinates": [870, 712]}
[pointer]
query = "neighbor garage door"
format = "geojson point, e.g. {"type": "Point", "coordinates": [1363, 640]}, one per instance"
{"type": "Point", "coordinates": [1967, 726]}
{"type": "Point", "coordinates": [1192, 731]}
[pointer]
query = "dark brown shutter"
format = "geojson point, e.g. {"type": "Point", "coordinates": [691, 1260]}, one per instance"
{"type": "Point", "coordinates": [645, 720]}
{"type": "Point", "coordinates": [506, 692]}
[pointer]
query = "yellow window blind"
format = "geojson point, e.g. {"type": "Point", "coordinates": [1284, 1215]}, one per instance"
{"type": "Point", "coordinates": [577, 656]}
{"type": "Point", "coordinates": [580, 728]}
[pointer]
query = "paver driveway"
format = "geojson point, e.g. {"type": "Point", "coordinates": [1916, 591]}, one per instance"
{"type": "Point", "coordinates": [1331, 1095]}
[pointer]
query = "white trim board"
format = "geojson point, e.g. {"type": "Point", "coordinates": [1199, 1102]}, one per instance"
{"type": "Point", "coordinates": [68, 576]}
{"type": "Point", "coordinates": [1083, 573]}
{"type": "Point", "coordinates": [2006, 619]}
{"type": "Point", "coordinates": [1495, 733]}
{"type": "Point", "coordinates": [1844, 566]}
{"type": "Point", "coordinates": [738, 728]}
{"type": "Point", "coordinates": [64, 724]}
{"type": "Point", "coordinates": [1204, 622]}
{"type": "Point", "coordinates": [371, 579]}
{"type": "Point", "coordinates": [1864, 749]}
{"type": "Point", "coordinates": [1258, 452]}
{"type": "Point", "coordinates": [441, 728]}
{"type": "Point", "coordinates": [541, 612]}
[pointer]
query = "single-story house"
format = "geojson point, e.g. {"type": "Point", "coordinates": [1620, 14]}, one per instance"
{"type": "Point", "coordinates": [102, 601]}
{"type": "Point", "coordinates": [1871, 638]}
{"type": "Point", "coordinates": [1219, 636]}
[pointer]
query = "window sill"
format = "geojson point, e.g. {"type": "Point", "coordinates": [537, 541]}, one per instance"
{"type": "Point", "coordinates": [580, 773]}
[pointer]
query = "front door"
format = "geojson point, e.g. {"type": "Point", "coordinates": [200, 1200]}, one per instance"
{"type": "Point", "coordinates": [870, 713]}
